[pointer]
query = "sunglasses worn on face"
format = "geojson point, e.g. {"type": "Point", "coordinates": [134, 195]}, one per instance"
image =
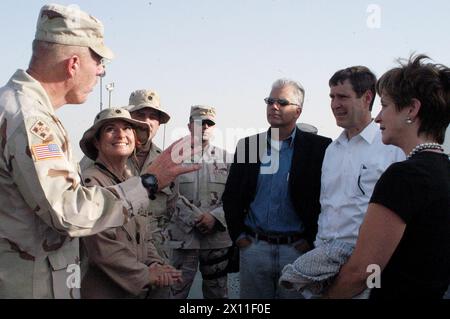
{"type": "Point", "coordinates": [282, 102]}
{"type": "Point", "coordinates": [203, 122]}
{"type": "Point", "coordinates": [208, 122]}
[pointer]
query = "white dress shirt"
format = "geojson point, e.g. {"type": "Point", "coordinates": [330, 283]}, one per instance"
{"type": "Point", "coordinates": [350, 171]}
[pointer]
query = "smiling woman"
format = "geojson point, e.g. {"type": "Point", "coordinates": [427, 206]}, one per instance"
{"type": "Point", "coordinates": [122, 262]}
{"type": "Point", "coordinates": [115, 143]}
{"type": "Point", "coordinates": [113, 137]}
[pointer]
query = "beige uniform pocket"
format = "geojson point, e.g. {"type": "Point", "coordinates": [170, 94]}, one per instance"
{"type": "Point", "coordinates": [66, 273]}
{"type": "Point", "coordinates": [187, 182]}
{"type": "Point", "coordinates": [217, 179]}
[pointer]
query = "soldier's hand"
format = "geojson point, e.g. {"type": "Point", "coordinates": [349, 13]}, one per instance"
{"type": "Point", "coordinates": [176, 274]}
{"type": "Point", "coordinates": [169, 164]}
{"type": "Point", "coordinates": [163, 275]}
{"type": "Point", "coordinates": [206, 223]}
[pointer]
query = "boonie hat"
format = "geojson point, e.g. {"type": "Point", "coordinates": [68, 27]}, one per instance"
{"type": "Point", "coordinates": [147, 98]}
{"type": "Point", "coordinates": [87, 142]}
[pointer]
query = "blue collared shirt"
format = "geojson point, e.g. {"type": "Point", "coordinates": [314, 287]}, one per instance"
{"type": "Point", "coordinates": [272, 211]}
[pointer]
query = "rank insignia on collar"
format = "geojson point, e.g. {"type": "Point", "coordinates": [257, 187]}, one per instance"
{"type": "Point", "coordinates": [41, 130]}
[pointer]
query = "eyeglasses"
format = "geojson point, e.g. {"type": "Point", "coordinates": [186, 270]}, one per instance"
{"type": "Point", "coordinates": [282, 102]}
{"type": "Point", "coordinates": [203, 122]}
{"type": "Point", "coordinates": [103, 63]}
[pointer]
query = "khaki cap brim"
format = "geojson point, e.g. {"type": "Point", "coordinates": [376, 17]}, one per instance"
{"type": "Point", "coordinates": [99, 48]}
{"type": "Point", "coordinates": [165, 117]}
{"type": "Point", "coordinates": [204, 118]}
{"type": "Point", "coordinates": [103, 51]}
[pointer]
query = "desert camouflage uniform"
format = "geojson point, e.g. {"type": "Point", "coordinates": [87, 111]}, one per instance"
{"type": "Point", "coordinates": [201, 192]}
{"type": "Point", "coordinates": [42, 202]}
{"type": "Point", "coordinates": [118, 257]}
{"type": "Point", "coordinates": [160, 209]}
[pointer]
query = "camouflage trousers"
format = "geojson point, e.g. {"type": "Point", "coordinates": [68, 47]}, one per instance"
{"type": "Point", "coordinates": [213, 264]}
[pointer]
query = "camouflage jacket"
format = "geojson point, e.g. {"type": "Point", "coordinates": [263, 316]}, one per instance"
{"type": "Point", "coordinates": [43, 204]}
{"type": "Point", "coordinates": [118, 257]}
{"type": "Point", "coordinates": [201, 192]}
{"type": "Point", "coordinates": [159, 212]}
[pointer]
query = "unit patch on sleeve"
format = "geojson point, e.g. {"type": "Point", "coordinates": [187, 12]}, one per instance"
{"type": "Point", "coordinates": [41, 130]}
{"type": "Point", "coordinates": [47, 152]}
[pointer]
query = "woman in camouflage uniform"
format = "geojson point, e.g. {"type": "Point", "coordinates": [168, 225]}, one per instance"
{"type": "Point", "coordinates": [122, 262]}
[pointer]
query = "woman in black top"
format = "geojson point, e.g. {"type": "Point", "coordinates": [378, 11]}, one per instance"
{"type": "Point", "coordinates": [406, 232]}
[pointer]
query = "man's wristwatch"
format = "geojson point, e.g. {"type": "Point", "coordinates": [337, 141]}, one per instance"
{"type": "Point", "coordinates": [150, 182]}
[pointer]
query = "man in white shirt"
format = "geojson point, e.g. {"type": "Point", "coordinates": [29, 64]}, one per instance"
{"type": "Point", "coordinates": [355, 160]}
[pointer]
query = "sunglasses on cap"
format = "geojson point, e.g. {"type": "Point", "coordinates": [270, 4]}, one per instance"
{"type": "Point", "coordinates": [282, 102]}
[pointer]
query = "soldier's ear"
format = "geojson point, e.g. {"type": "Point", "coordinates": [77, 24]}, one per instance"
{"type": "Point", "coordinates": [73, 65]}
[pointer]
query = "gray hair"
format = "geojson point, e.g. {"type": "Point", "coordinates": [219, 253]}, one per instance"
{"type": "Point", "coordinates": [298, 92]}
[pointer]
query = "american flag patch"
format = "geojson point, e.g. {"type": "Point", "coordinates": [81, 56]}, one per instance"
{"type": "Point", "coordinates": [47, 151]}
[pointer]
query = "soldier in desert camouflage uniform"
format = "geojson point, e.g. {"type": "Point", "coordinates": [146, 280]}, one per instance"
{"type": "Point", "coordinates": [197, 231]}
{"type": "Point", "coordinates": [145, 106]}
{"type": "Point", "coordinates": [123, 263]}
{"type": "Point", "coordinates": [43, 203]}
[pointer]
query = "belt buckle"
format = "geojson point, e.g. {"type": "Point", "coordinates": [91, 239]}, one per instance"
{"type": "Point", "coordinates": [277, 240]}
{"type": "Point", "coordinates": [271, 239]}
{"type": "Point", "coordinates": [290, 239]}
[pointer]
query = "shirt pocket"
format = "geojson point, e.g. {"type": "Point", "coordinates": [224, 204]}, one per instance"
{"type": "Point", "coordinates": [367, 178]}
{"type": "Point", "coordinates": [187, 185]}
{"type": "Point", "coordinates": [59, 262]}
{"type": "Point", "coordinates": [218, 173]}
{"type": "Point", "coordinates": [217, 179]}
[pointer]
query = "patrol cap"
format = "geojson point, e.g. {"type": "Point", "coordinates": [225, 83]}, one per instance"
{"type": "Point", "coordinates": [87, 142]}
{"type": "Point", "coordinates": [203, 112]}
{"type": "Point", "coordinates": [69, 25]}
{"type": "Point", "coordinates": [147, 98]}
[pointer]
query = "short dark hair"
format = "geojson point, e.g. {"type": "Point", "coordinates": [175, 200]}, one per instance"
{"type": "Point", "coordinates": [361, 79]}
{"type": "Point", "coordinates": [427, 82]}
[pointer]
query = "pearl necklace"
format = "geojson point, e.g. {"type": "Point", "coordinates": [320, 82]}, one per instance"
{"type": "Point", "coordinates": [425, 146]}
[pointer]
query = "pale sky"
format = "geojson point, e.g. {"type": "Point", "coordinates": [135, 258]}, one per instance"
{"type": "Point", "coordinates": [228, 53]}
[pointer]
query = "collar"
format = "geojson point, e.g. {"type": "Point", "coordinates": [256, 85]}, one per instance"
{"type": "Point", "coordinates": [276, 145]}
{"type": "Point", "coordinates": [117, 179]}
{"type": "Point", "coordinates": [208, 149]}
{"type": "Point", "coordinates": [368, 134]}
{"type": "Point", "coordinates": [24, 82]}
{"type": "Point", "coordinates": [209, 152]}
{"type": "Point", "coordinates": [145, 149]}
